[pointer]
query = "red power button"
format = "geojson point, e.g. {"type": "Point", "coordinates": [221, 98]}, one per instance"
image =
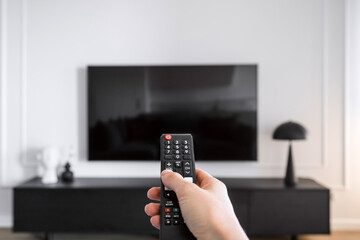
{"type": "Point", "coordinates": [168, 137]}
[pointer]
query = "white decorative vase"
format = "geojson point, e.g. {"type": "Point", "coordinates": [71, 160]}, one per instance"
{"type": "Point", "coordinates": [50, 159]}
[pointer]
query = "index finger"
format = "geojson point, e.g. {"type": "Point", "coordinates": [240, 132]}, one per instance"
{"type": "Point", "coordinates": [154, 193]}
{"type": "Point", "coordinates": [203, 178]}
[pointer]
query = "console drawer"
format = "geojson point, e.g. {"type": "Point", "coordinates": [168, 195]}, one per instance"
{"type": "Point", "coordinates": [289, 212]}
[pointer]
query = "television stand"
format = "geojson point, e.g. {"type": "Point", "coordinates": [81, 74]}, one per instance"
{"type": "Point", "coordinates": [264, 206]}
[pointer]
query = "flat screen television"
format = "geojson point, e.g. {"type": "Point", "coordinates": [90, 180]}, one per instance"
{"type": "Point", "coordinates": [129, 107]}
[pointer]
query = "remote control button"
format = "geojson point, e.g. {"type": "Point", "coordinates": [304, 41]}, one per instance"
{"type": "Point", "coordinates": [168, 137]}
{"type": "Point", "coordinates": [187, 169]}
{"type": "Point", "coordinates": [176, 151]}
{"type": "Point", "coordinates": [168, 165]}
{"type": "Point", "coordinates": [169, 204]}
{"type": "Point", "coordinates": [186, 151]}
{"type": "Point", "coordinates": [177, 157]}
{"type": "Point", "coordinates": [186, 147]}
{"type": "Point", "coordinates": [178, 164]}
{"type": "Point", "coordinates": [167, 222]}
{"type": "Point", "coordinates": [167, 151]}
{"type": "Point", "coordinates": [167, 142]}
{"type": "Point", "coordinates": [176, 210]}
{"type": "Point", "coordinates": [176, 142]}
{"type": "Point", "coordinates": [189, 179]}
{"type": "Point", "coordinates": [169, 194]}
{"type": "Point", "coordinates": [176, 147]}
{"type": "Point", "coordinates": [179, 171]}
{"type": "Point", "coordinates": [168, 157]}
{"type": "Point", "coordinates": [187, 173]}
{"type": "Point", "coordinates": [167, 147]}
{"type": "Point", "coordinates": [167, 216]}
{"type": "Point", "coordinates": [185, 142]}
{"type": "Point", "coordinates": [176, 222]}
{"type": "Point", "coordinates": [187, 157]}
{"type": "Point", "coordinates": [167, 210]}
{"type": "Point", "coordinates": [176, 216]}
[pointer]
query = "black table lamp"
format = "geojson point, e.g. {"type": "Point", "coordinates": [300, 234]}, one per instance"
{"type": "Point", "coordinates": [290, 131]}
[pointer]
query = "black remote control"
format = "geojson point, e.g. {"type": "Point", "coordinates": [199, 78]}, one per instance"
{"type": "Point", "coordinates": [176, 154]}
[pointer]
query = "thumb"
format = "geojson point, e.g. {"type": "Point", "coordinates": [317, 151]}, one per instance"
{"type": "Point", "coordinates": [174, 181]}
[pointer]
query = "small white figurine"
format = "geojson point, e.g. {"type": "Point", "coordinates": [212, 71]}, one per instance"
{"type": "Point", "coordinates": [50, 159]}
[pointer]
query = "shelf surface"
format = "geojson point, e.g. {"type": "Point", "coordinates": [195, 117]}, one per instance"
{"type": "Point", "coordinates": [145, 183]}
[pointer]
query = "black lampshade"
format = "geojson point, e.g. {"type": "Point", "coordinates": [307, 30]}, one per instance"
{"type": "Point", "coordinates": [290, 131]}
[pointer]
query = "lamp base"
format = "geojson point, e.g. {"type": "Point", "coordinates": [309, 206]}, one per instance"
{"type": "Point", "coordinates": [290, 176]}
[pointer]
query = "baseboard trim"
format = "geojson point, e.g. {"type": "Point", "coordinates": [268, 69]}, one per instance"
{"type": "Point", "coordinates": [345, 224]}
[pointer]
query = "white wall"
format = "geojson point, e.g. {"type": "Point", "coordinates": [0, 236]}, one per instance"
{"type": "Point", "coordinates": [298, 46]}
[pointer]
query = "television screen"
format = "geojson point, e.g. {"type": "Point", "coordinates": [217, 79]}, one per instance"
{"type": "Point", "coordinates": [129, 107]}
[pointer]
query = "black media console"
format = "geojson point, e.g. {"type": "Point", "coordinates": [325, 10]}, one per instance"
{"type": "Point", "coordinates": [264, 206]}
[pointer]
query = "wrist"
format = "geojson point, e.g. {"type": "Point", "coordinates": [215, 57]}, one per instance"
{"type": "Point", "coordinates": [221, 231]}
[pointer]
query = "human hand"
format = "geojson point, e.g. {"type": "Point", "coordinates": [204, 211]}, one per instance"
{"type": "Point", "coordinates": [206, 207]}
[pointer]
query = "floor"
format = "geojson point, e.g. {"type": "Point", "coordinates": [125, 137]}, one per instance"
{"type": "Point", "coordinates": [6, 234]}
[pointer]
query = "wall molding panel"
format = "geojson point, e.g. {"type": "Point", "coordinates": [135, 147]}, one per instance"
{"type": "Point", "coordinates": [3, 105]}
